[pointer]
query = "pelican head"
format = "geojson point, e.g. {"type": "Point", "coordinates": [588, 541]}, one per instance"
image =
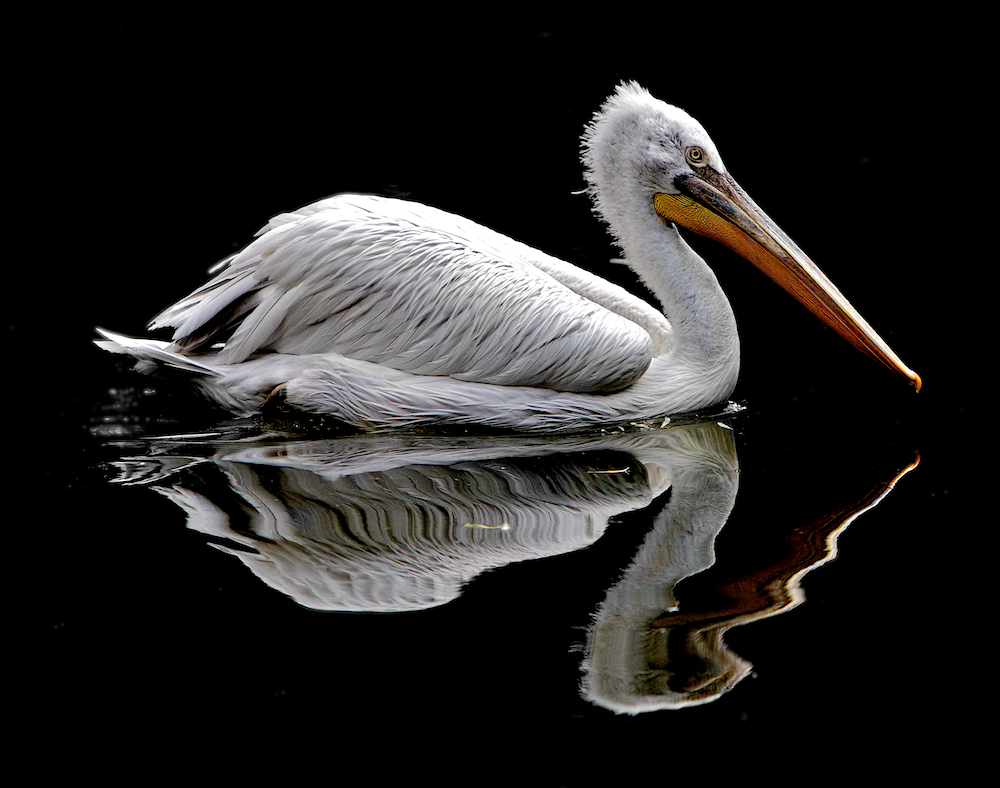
{"type": "Point", "coordinates": [645, 158]}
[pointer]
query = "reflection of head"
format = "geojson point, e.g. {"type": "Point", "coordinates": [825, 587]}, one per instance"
{"type": "Point", "coordinates": [637, 660]}
{"type": "Point", "coordinates": [632, 670]}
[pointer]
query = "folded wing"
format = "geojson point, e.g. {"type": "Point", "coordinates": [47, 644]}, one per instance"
{"type": "Point", "coordinates": [418, 290]}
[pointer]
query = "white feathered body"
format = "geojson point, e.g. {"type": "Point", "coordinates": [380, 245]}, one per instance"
{"type": "Point", "coordinates": [422, 291]}
{"type": "Point", "coordinates": [388, 314]}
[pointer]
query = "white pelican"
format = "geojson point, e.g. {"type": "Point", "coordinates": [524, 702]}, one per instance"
{"type": "Point", "coordinates": [386, 314]}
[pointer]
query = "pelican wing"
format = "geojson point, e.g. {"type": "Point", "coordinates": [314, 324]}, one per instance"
{"type": "Point", "coordinates": [422, 291]}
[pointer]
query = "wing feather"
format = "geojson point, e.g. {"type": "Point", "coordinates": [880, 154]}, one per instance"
{"type": "Point", "coordinates": [418, 290]}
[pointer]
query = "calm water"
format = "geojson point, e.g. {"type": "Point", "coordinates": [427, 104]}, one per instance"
{"type": "Point", "coordinates": [468, 609]}
{"type": "Point", "coordinates": [714, 579]}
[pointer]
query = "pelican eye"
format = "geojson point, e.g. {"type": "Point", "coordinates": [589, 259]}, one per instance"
{"type": "Point", "coordinates": [696, 157]}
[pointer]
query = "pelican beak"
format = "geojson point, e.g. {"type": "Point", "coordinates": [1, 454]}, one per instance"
{"type": "Point", "coordinates": [712, 204]}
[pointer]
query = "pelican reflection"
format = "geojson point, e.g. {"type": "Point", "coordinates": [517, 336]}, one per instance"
{"type": "Point", "coordinates": [390, 523]}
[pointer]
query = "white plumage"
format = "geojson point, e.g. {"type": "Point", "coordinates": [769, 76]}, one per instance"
{"type": "Point", "coordinates": [418, 290]}
{"type": "Point", "coordinates": [390, 314]}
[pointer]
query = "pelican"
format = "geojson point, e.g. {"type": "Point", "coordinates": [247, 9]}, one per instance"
{"type": "Point", "coordinates": [386, 314]}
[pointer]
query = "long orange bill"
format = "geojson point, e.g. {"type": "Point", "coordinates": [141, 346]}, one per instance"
{"type": "Point", "coordinates": [712, 204]}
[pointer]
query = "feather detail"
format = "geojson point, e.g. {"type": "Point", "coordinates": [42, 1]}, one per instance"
{"type": "Point", "coordinates": [151, 350]}
{"type": "Point", "coordinates": [421, 291]}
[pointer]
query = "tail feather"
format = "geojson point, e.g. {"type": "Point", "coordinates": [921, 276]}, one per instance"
{"type": "Point", "coordinates": [151, 351]}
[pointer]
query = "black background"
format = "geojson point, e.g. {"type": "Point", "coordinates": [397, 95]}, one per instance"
{"type": "Point", "coordinates": [154, 144]}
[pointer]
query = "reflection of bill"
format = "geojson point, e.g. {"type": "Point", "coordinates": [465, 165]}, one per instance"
{"type": "Point", "coordinates": [646, 650]}
{"type": "Point", "coordinates": [395, 523]}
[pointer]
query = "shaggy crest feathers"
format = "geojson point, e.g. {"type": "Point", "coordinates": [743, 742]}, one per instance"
{"type": "Point", "coordinates": [636, 139]}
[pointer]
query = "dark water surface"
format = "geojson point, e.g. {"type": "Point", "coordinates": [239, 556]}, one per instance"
{"type": "Point", "coordinates": [804, 605]}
